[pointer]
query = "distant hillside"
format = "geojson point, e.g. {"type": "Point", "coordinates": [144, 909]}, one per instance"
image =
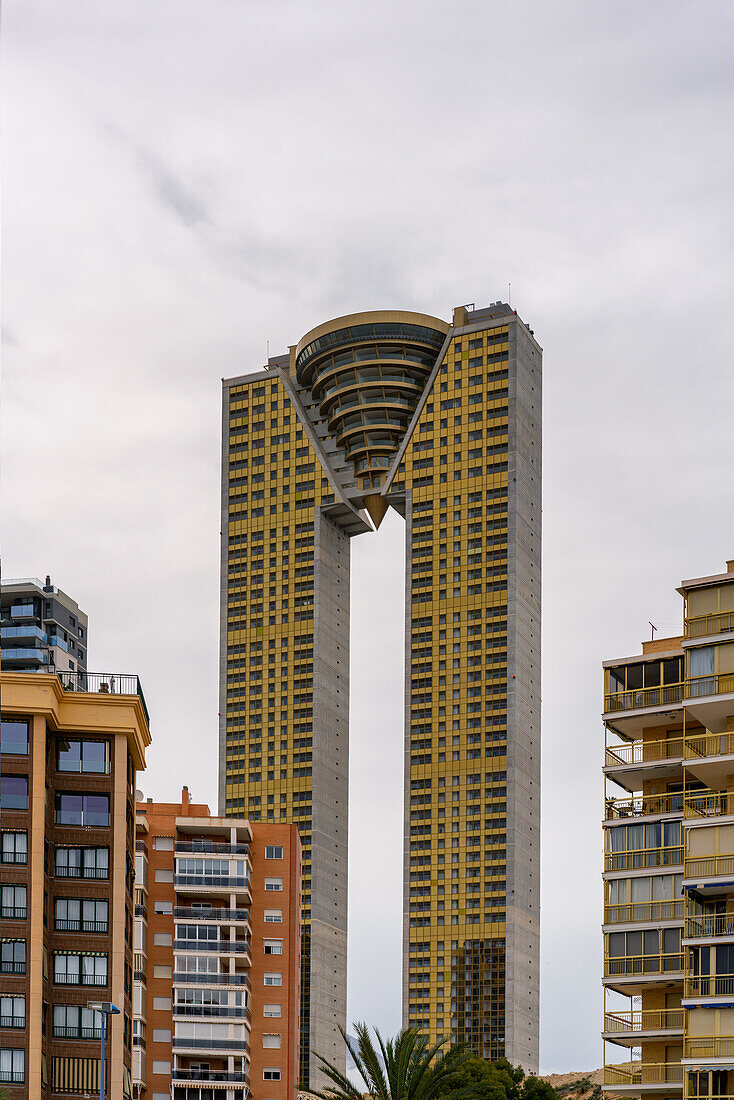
{"type": "Point", "coordinates": [581, 1085]}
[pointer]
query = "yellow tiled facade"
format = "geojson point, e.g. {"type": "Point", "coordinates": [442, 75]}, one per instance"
{"type": "Point", "coordinates": [442, 423]}
{"type": "Point", "coordinates": [669, 855]}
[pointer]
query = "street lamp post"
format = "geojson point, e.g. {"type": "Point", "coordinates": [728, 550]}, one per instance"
{"type": "Point", "coordinates": [105, 1009]}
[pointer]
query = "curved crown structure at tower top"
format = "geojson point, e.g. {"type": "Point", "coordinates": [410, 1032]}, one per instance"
{"type": "Point", "coordinates": [367, 372]}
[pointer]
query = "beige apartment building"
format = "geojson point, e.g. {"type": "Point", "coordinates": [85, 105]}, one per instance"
{"type": "Point", "coordinates": [669, 856]}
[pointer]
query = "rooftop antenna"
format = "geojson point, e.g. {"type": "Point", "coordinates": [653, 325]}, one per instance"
{"type": "Point", "coordinates": [509, 294]}
{"type": "Point", "coordinates": [653, 628]}
{"type": "Point", "coordinates": [267, 350]}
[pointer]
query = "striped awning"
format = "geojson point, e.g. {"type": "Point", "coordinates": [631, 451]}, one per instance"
{"type": "Point", "coordinates": [75, 1075]}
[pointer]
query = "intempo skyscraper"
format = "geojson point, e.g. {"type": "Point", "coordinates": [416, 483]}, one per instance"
{"type": "Point", "coordinates": [442, 422]}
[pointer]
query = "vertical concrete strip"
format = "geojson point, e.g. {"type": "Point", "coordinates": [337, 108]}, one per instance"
{"type": "Point", "coordinates": [119, 873]}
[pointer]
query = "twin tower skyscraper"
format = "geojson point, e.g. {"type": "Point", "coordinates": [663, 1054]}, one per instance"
{"type": "Point", "coordinates": [441, 421]}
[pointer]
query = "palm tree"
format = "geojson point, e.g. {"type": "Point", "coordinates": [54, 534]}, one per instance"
{"type": "Point", "coordinates": [404, 1068]}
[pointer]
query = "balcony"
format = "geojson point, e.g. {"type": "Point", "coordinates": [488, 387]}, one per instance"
{"type": "Point", "coordinates": [203, 1012]}
{"type": "Point", "coordinates": [632, 966]}
{"type": "Point", "coordinates": [221, 947]}
{"type": "Point", "coordinates": [210, 847]}
{"type": "Point", "coordinates": [708, 699]}
{"type": "Point", "coordinates": [238, 884]}
{"type": "Point", "coordinates": [104, 683]}
{"type": "Point", "coordinates": [11, 633]}
{"type": "Point", "coordinates": [635, 1025]}
{"type": "Point", "coordinates": [703, 871]}
{"type": "Point", "coordinates": [702, 626]}
{"type": "Point", "coordinates": [710, 757]}
{"type": "Point", "coordinates": [701, 986]}
{"type": "Point", "coordinates": [709, 1046]}
{"type": "Point", "coordinates": [709, 926]}
{"type": "Point", "coordinates": [644, 805]}
{"type": "Point", "coordinates": [22, 611]}
{"type": "Point", "coordinates": [700, 804]}
{"type": "Point", "coordinates": [637, 761]}
{"type": "Point", "coordinates": [21, 653]}
{"type": "Point", "coordinates": [218, 1045]}
{"type": "Point", "coordinates": [241, 977]}
{"type": "Point", "coordinates": [638, 858]}
{"type": "Point", "coordinates": [209, 1076]}
{"type": "Point", "coordinates": [649, 912]}
{"type": "Point", "coordinates": [194, 913]}
{"type": "Point", "coordinates": [647, 1076]}
{"type": "Point", "coordinates": [638, 705]}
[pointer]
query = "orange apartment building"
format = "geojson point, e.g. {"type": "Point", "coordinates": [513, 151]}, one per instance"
{"type": "Point", "coordinates": [216, 1011]}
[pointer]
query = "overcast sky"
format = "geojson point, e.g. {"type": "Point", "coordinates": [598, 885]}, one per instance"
{"type": "Point", "coordinates": [185, 182]}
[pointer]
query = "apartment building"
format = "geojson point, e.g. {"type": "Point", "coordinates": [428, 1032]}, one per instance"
{"type": "Point", "coordinates": [442, 422]}
{"type": "Point", "coordinates": [70, 750]}
{"type": "Point", "coordinates": [217, 955]}
{"type": "Point", "coordinates": [669, 856]}
{"type": "Point", "coordinates": [42, 629]}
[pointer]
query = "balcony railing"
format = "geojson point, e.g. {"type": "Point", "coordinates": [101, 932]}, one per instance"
{"type": "Point", "coordinates": [219, 882]}
{"type": "Point", "coordinates": [104, 683]}
{"type": "Point", "coordinates": [13, 912]}
{"type": "Point", "coordinates": [643, 752]}
{"type": "Point", "coordinates": [646, 805]}
{"type": "Point", "coordinates": [649, 911]}
{"type": "Point", "coordinates": [644, 1073]}
{"type": "Point", "coordinates": [209, 847]}
{"type": "Point", "coordinates": [709, 1046]}
{"type": "Point", "coordinates": [221, 947]}
{"type": "Point", "coordinates": [718, 683]}
{"type": "Point", "coordinates": [237, 1012]}
{"type": "Point", "coordinates": [709, 867]}
{"type": "Point", "coordinates": [709, 985]}
{"type": "Point", "coordinates": [81, 926]}
{"type": "Point", "coordinates": [77, 1032]}
{"type": "Point", "coordinates": [643, 857]}
{"type": "Point", "coordinates": [239, 978]}
{"type": "Point", "coordinates": [700, 626]}
{"type": "Point", "coordinates": [628, 966]}
{"type": "Point", "coordinates": [187, 912]}
{"type": "Point", "coordinates": [208, 1075]}
{"type": "Point", "coordinates": [670, 1019]}
{"type": "Point", "coordinates": [699, 745]}
{"type": "Point", "coordinates": [709, 804]}
{"type": "Point", "coordinates": [709, 925]}
{"type": "Point", "coordinates": [664, 696]}
{"type": "Point", "coordinates": [210, 1044]}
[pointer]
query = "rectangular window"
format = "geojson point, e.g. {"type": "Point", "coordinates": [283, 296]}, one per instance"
{"type": "Point", "coordinates": [273, 883]}
{"type": "Point", "coordinates": [12, 1066]}
{"type": "Point", "coordinates": [162, 939]}
{"type": "Point", "coordinates": [14, 848]}
{"type": "Point", "coordinates": [81, 915]}
{"type": "Point", "coordinates": [13, 902]}
{"type": "Point", "coordinates": [274, 851]}
{"type": "Point", "coordinates": [274, 1011]}
{"type": "Point", "coordinates": [161, 1035]}
{"type": "Point", "coordinates": [163, 907]}
{"type": "Point", "coordinates": [162, 1067]}
{"type": "Point", "coordinates": [77, 969]}
{"type": "Point", "coordinates": [82, 863]}
{"type": "Point", "coordinates": [273, 947]}
{"type": "Point", "coordinates": [82, 809]}
{"type": "Point", "coordinates": [271, 1041]}
{"type": "Point", "coordinates": [272, 979]}
{"type": "Point", "coordinates": [162, 1004]}
{"type": "Point", "coordinates": [12, 956]}
{"type": "Point", "coordinates": [163, 843]}
{"type": "Point", "coordinates": [76, 1022]}
{"type": "Point", "coordinates": [162, 971]}
{"type": "Point", "coordinates": [92, 757]}
{"type": "Point", "coordinates": [12, 1011]}
{"type": "Point", "coordinates": [273, 916]}
{"type": "Point", "coordinates": [163, 876]}
{"type": "Point", "coordinates": [14, 792]}
{"type": "Point", "coordinates": [270, 1074]}
{"type": "Point", "coordinates": [14, 737]}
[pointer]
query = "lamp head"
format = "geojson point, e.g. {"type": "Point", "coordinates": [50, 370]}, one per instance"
{"type": "Point", "coordinates": [105, 1007]}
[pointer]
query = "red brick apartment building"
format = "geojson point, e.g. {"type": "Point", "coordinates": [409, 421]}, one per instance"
{"type": "Point", "coordinates": [217, 955]}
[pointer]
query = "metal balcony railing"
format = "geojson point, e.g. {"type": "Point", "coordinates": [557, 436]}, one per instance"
{"type": "Point", "coordinates": [104, 683]}
{"type": "Point", "coordinates": [699, 745]}
{"type": "Point", "coordinates": [644, 1073]}
{"type": "Point", "coordinates": [210, 847]}
{"type": "Point", "coordinates": [216, 881]}
{"type": "Point", "coordinates": [709, 1046]}
{"type": "Point", "coordinates": [221, 947]}
{"type": "Point", "coordinates": [709, 985]}
{"type": "Point", "coordinates": [699, 626]}
{"type": "Point", "coordinates": [709, 866]}
{"type": "Point", "coordinates": [187, 912]}
{"type": "Point", "coordinates": [208, 1011]}
{"type": "Point", "coordinates": [708, 804]}
{"type": "Point", "coordinates": [662, 1020]}
{"type": "Point", "coordinates": [238, 978]}
{"type": "Point", "coordinates": [649, 911]}
{"type": "Point", "coordinates": [646, 805]}
{"type": "Point", "coordinates": [709, 926]}
{"type": "Point", "coordinates": [718, 683]}
{"type": "Point", "coordinates": [627, 966]}
{"type": "Point", "coordinates": [208, 1075]}
{"type": "Point", "coordinates": [666, 695]}
{"type": "Point", "coordinates": [643, 752]}
{"type": "Point", "coordinates": [637, 858]}
{"type": "Point", "coordinates": [210, 1044]}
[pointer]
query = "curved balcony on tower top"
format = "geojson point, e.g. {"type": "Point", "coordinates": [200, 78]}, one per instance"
{"type": "Point", "coordinates": [367, 371]}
